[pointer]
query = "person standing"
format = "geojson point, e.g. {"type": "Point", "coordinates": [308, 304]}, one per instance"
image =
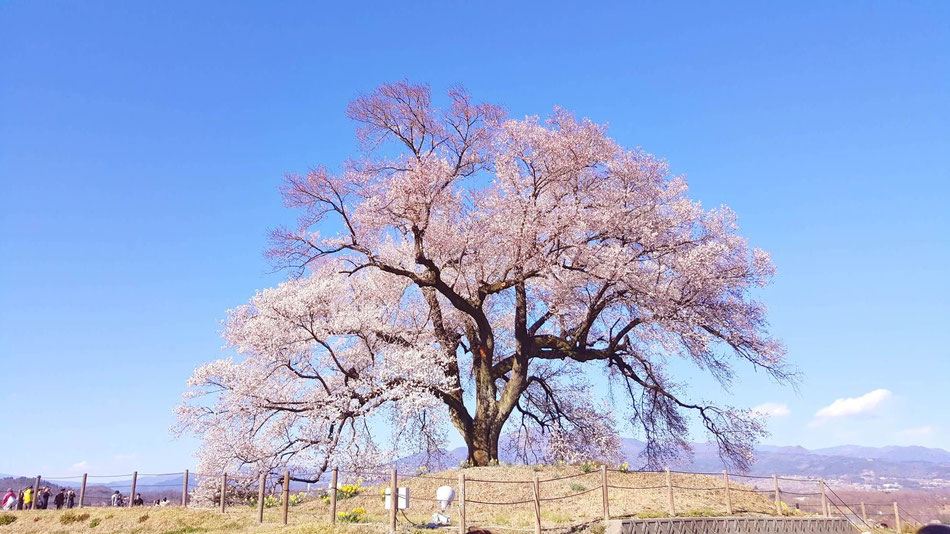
{"type": "Point", "coordinates": [43, 498]}
{"type": "Point", "coordinates": [116, 499]}
{"type": "Point", "coordinates": [70, 498]}
{"type": "Point", "coordinates": [138, 500]}
{"type": "Point", "coordinates": [9, 500]}
{"type": "Point", "coordinates": [27, 498]}
{"type": "Point", "coordinates": [60, 499]}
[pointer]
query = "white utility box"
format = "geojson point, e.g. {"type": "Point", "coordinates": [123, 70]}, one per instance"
{"type": "Point", "coordinates": [402, 501]}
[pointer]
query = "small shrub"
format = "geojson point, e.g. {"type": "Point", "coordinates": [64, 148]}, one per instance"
{"type": "Point", "coordinates": [95, 523]}
{"type": "Point", "coordinates": [493, 462]}
{"type": "Point", "coordinates": [6, 519]}
{"type": "Point", "coordinates": [700, 512]}
{"type": "Point", "coordinates": [650, 514]}
{"type": "Point", "coordinates": [143, 518]}
{"type": "Point", "coordinates": [355, 515]}
{"type": "Point", "coordinates": [270, 501]}
{"type": "Point", "coordinates": [578, 487]}
{"type": "Point", "coordinates": [587, 466]}
{"type": "Point", "coordinates": [598, 528]}
{"type": "Point", "coordinates": [624, 467]}
{"type": "Point", "coordinates": [296, 498]}
{"type": "Point", "coordinates": [502, 519]}
{"type": "Point", "coordinates": [72, 517]}
{"type": "Point", "coordinates": [465, 464]}
{"type": "Point", "coordinates": [556, 516]}
{"type": "Point", "coordinates": [345, 491]}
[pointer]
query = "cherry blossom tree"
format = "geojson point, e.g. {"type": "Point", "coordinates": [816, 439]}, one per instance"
{"type": "Point", "coordinates": [472, 271]}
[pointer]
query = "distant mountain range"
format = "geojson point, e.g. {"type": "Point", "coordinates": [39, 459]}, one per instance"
{"type": "Point", "coordinates": [863, 467]}
{"type": "Point", "coordinates": [891, 467]}
{"type": "Point", "coordinates": [895, 454]}
{"type": "Point", "coordinates": [869, 467]}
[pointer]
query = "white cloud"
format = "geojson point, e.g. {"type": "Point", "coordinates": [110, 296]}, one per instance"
{"type": "Point", "coordinates": [79, 466]}
{"type": "Point", "coordinates": [855, 405]}
{"type": "Point", "coordinates": [772, 409]}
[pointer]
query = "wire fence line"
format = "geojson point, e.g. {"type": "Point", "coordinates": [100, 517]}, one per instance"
{"type": "Point", "coordinates": [789, 496]}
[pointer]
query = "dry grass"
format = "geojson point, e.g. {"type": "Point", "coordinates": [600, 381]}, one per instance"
{"type": "Point", "coordinates": [563, 505]}
{"type": "Point", "coordinates": [171, 521]}
{"type": "Point", "coordinates": [312, 517]}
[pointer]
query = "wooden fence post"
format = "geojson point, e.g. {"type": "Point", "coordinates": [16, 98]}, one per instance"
{"type": "Point", "coordinates": [537, 505]}
{"type": "Point", "coordinates": [671, 508]}
{"type": "Point", "coordinates": [393, 499]}
{"type": "Point", "coordinates": [897, 519]}
{"type": "Point", "coordinates": [603, 471]}
{"type": "Point", "coordinates": [824, 498]}
{"type": "Point", "coordinates": [333, 486]}
{"type": "Point", "coordinates": [260, 498]}
{"type": "Point", "coordinates": [286, 494]}
{"type": "Point", "coordinates": [184, 490]}
{"type": "Point", "coordinates": [82, 489]}
{"type": "Point", "coordinates": [778, 496]}
{"type": "Point", "coordinates": [463, 529]}
{"type": "Point", "coordinates": [135, 479]}
{"type": "Point", "coordinates": [864, 515]}
{"type": "Point", "coordinates": [224, 487]}
{"type": "Point", "coordinates": [725, 481]}
{"type": "Point", "coordinates": [36, 489]}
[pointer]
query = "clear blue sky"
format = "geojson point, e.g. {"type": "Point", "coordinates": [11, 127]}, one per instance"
{"type": "Point", "coordinates": [141, 146]}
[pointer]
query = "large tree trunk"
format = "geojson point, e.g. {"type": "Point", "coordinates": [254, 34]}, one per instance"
{"type": "Point", "coordinates": [482, 443]}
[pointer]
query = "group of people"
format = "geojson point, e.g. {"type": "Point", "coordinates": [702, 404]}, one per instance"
{"type": "Point", "coordinates": [118, 500]}
{"type": "Point", "coordinates": [65, 498]}
{"type": "Point", "coordinates": [23, 500]}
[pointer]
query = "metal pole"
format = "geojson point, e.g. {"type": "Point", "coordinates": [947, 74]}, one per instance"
{"type": "Point", "coordinates": [603, 472]}
{"type": "Point", "coordinates": [824, 498]}
{"type": "Point", "coordinates": [333, 487]}
{"type": "Point", "coordinates": [82, 489]}
{"type": "Point", "coordinates": [864, 515]}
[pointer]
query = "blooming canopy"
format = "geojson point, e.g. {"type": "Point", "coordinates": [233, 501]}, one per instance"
{"type": "Point", "coordinates": [475, 269]}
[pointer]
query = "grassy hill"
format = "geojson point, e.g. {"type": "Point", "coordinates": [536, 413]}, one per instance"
{"type": "Point", "coordinates": [582, 505]}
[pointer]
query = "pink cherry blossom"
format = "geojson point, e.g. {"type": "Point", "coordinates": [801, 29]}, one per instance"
{"type": "Point", "coordinates": [476, 270]}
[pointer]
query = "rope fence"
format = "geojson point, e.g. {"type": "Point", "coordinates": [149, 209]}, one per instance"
{"type": "Point", "coordinates": [660, 494]}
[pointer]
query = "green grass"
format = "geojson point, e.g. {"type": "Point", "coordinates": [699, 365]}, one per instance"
{"type": "Point", "coordinates": [71, 517]}
{"type": "Point", "coordinates": [650, 514]}
{"type": "Point", "coordinates": [701, 512]}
